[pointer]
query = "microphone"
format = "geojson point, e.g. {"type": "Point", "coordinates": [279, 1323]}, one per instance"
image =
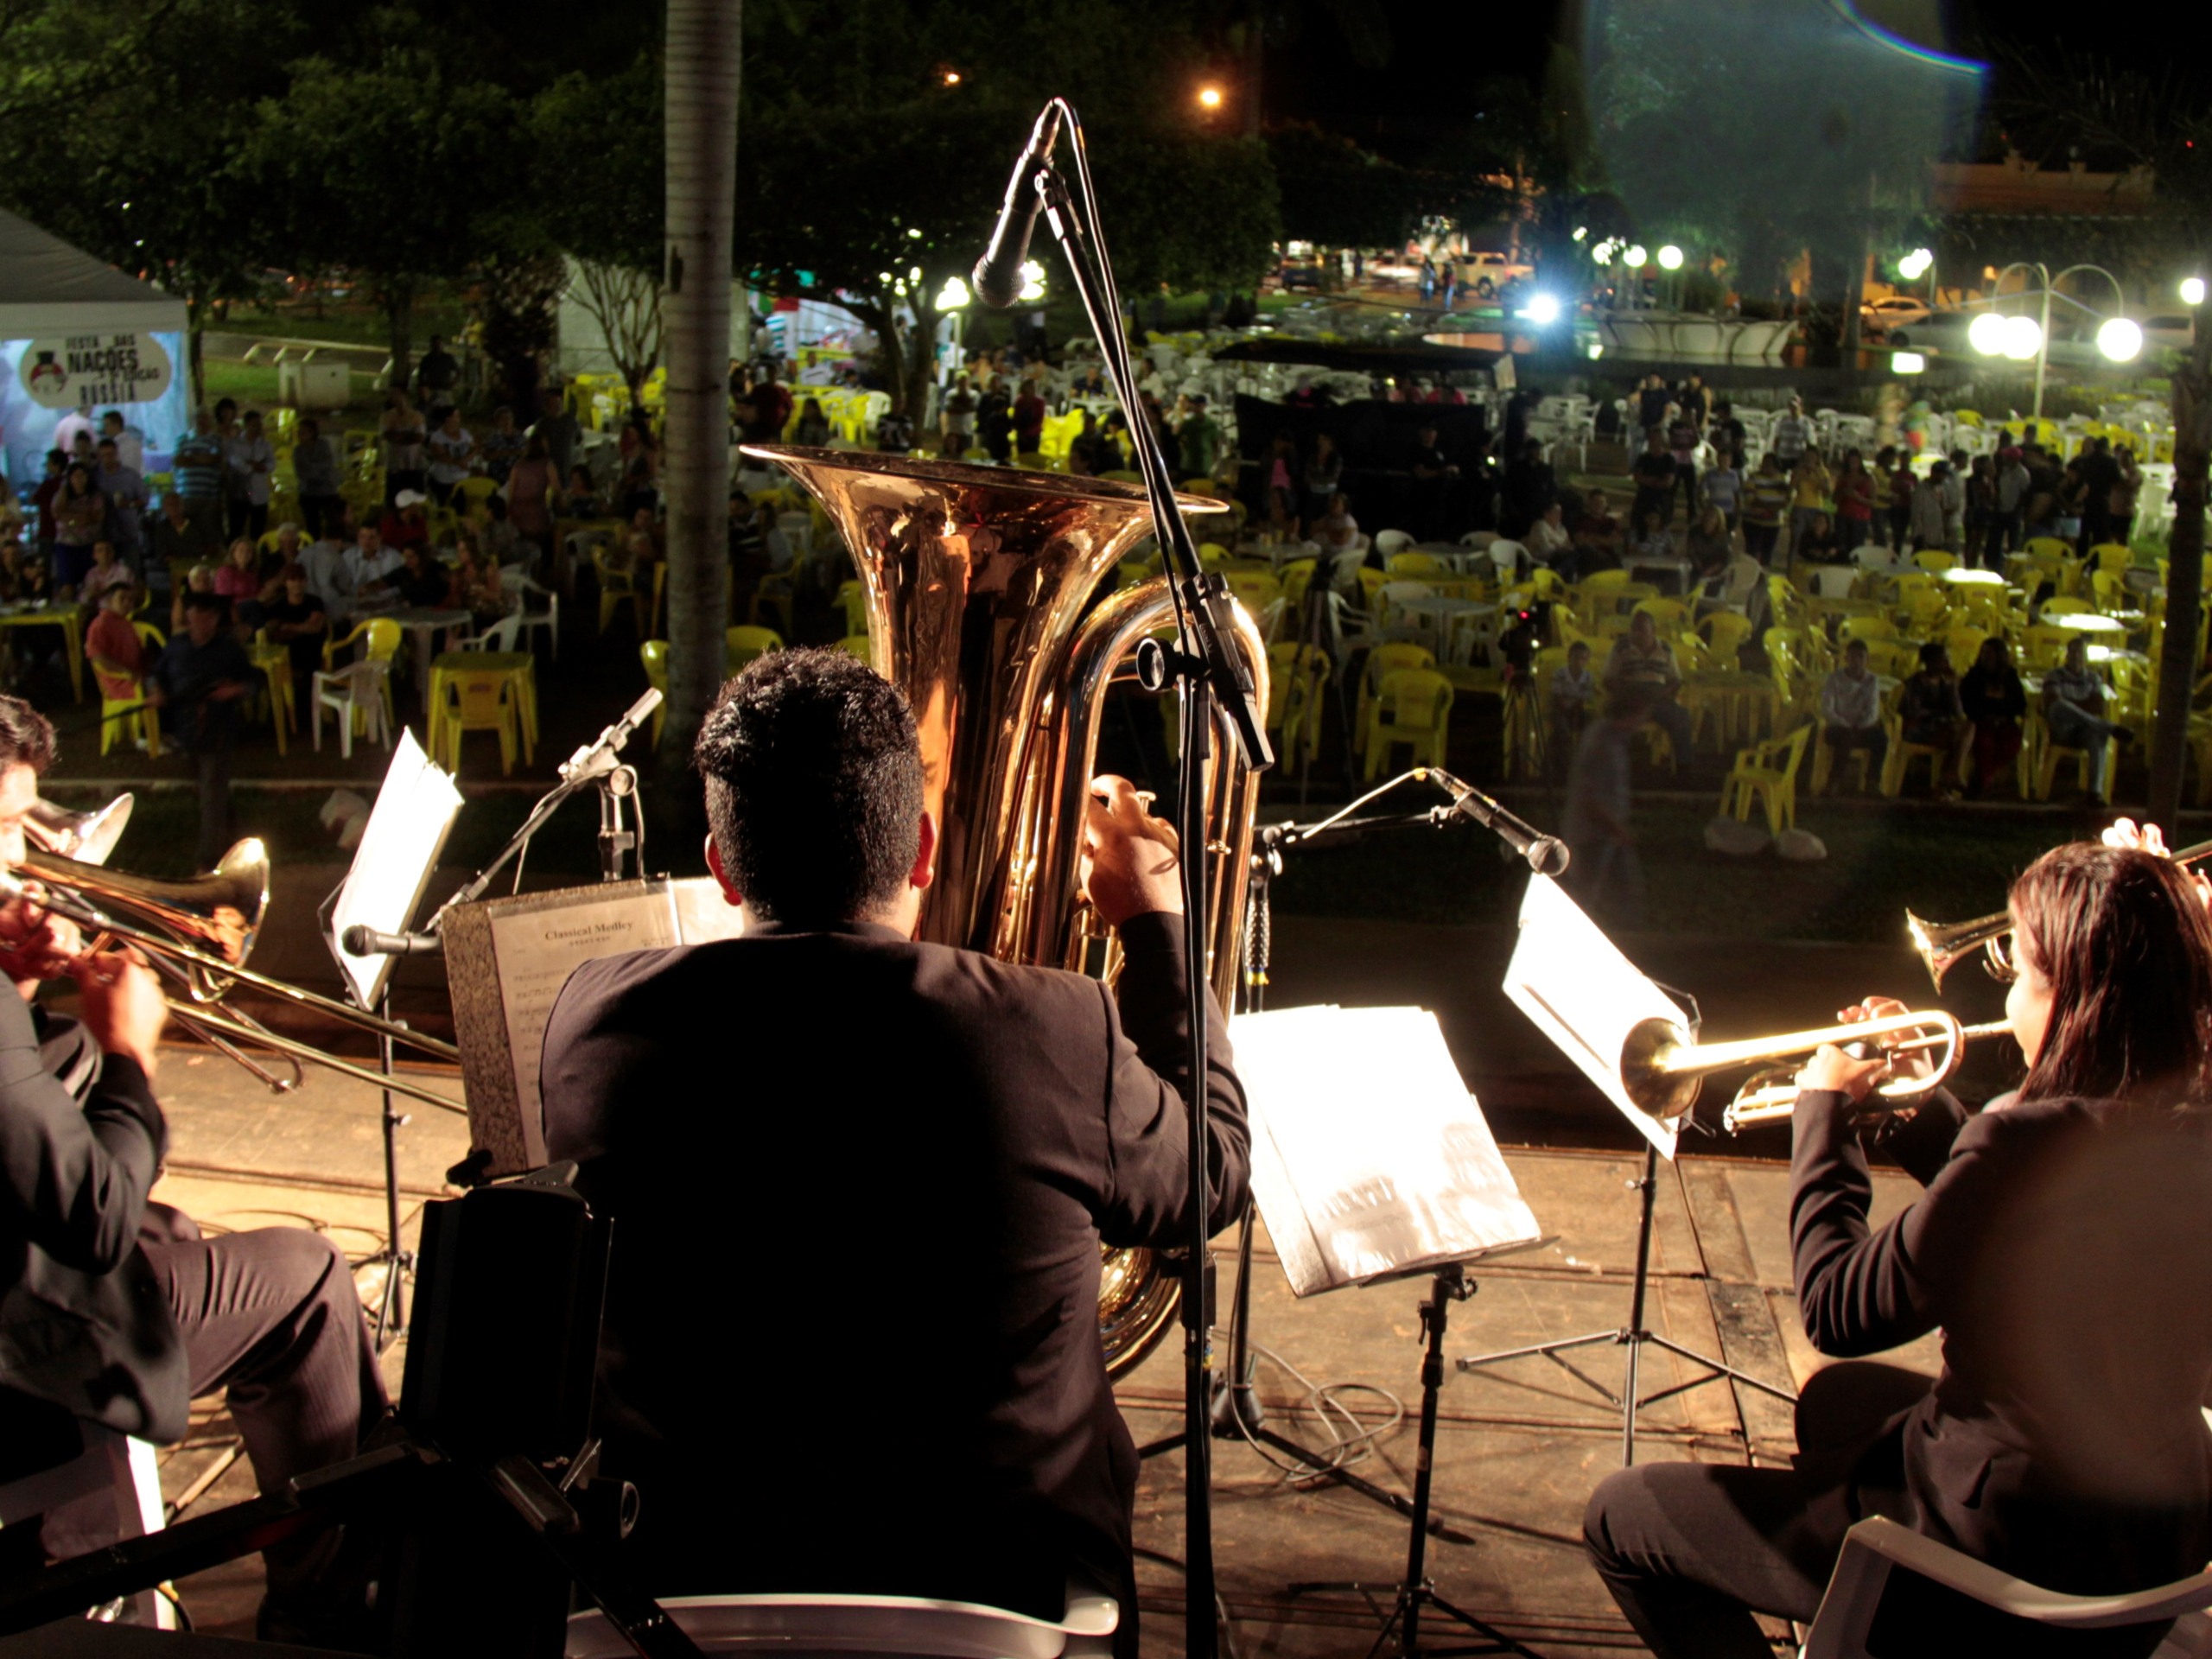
{"type": "Point", "coordinates": [598, 755]}
{"type": "Point", "coordinates": [1546, 855]}
{"type": "Point", "coordinates": [360, 941]}
{"type": "Point", "coordinates": [998, 273]}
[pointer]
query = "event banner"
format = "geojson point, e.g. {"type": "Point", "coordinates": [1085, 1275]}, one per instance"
{"type": "Point", "coordinates": [80, 371]}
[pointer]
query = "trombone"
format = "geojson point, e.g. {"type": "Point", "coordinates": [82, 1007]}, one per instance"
{"type": "Point", "coordinates": [199, 933]}
{"type": "Point", "coordinates": [1662, 1064]}
{"type": "Point", "coordinates": [1940, 945]}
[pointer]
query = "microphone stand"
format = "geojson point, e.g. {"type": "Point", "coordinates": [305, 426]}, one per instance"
{"type": "Point", "coordinates": [1203, 667]}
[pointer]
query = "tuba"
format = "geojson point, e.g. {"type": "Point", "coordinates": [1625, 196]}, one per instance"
{"type": "Point", "coordinates": [978, 582]}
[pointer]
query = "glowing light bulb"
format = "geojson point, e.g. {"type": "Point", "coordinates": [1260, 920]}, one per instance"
{"type": "Point", "coordinates": [1670, 258]}
{"type": "Point", "coordinates": [1986, 334]}
{"type": "Point", "coordinates": [2192, 290]}
{"type": "Point", "coordinates": [2023, 338]}
{"type": "Point", "coordinates": [2119, 339]}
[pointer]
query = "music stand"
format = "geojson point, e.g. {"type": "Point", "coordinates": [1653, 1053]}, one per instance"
{"type": "Point", "coordinates": [1587, 997]}
{"type": "Point", "coordinates": [415, 810]}
{"type": "Point", "coordinates": [1414, 1185]}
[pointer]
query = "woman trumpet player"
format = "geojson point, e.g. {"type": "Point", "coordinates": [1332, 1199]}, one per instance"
{"type": "Point", "coordinates": [2061, 1248]}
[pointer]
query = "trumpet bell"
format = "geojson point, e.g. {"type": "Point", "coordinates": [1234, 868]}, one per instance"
{"type": "Point", "coordinates": [88, 837]}
{"type": "Point", "coordinates": [1940, 945]}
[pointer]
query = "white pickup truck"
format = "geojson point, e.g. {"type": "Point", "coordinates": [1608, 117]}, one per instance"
{"type": "Point", "coordinates": [1483, 274]}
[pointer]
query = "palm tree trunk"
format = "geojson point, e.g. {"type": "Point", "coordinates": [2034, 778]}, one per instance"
{"type": "Point", "coordinates": [2183, 650]}
{"type": "Point", "coordinates": [703, 64]}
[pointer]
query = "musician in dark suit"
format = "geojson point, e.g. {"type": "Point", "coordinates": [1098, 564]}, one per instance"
{"type": "Point", "coordinates": [859, 1184]}
{"type": "Point", "coordinates": [2061, 1247]}
{"type": "Point", "coordinates": [117, 1310]}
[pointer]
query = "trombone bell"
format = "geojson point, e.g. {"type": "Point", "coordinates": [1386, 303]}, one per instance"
{"type": "Point", "coordinates": [218, 914]}
{"type": "Point", "coordinates": [88, 837]}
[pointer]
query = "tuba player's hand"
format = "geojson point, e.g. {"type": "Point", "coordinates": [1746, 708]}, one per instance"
{"type": "Point", "coordinates": [1130, 867]}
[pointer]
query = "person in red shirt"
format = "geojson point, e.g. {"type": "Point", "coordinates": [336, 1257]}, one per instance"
{"type": "Point", "coordinates": [113, 642]}
{"type": "Point", "coordinates": [405, 524]}
{"type": "Point", "coordinates": [1028, 420]}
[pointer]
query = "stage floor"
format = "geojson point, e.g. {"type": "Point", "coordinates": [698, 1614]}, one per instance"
{"type": "Point", "coordinates": [1519, 1446]}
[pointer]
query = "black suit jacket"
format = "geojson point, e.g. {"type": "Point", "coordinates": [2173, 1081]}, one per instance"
{"type": "Point", "coordinates": [82, 1322]}
{"type": "Point", "coordinates": [2061, 1248]}
{"type": "Point", "coordinates": [859, 1186]}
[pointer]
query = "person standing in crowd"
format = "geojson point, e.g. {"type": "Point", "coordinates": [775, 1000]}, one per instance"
{"type": "Point", "coordinates": [531, 488]}
{"type": "Point", "coordinates": [814, 784]}
{"type": "Point", "coordinates": [196, 474]}
{"type": "Point", "coordinates": [315, 476]}
{"type": "Point", "coordinates": [400, 430]}
{"type": "Point", "coordinates": [1766, 498]}
{"type": "Point", "coordinates": [1682, 447]}
{"type": "Point", "coordinates": [1903, 486]}
{"type": "Point", "coordinates": [1792, 436]}
{"type": "Point", "coordinates": [1727, 434]}
{"type": "Point", "coordinates": [1851, 713]}
{"type": "Point", "coordinates": [1435, 478]}
{"type": "Point", "coordinates": [1723, 485]}
{"type": "Point", "coordinates": [2073, 699]}
{"type": "Point", "coordinates": [452, 451]}
{"type": "Point", "coordinates": [124, 492]}
{"type": "Point", "coordinates": [79, 516]}
{"type": "Point", "coordinates": [1605, 872]}
{"type": "Point", "coordinates": [249, 470]}
{"type": "Point", "coordinates": [502, 446]}
{"type": "Point", "coordinates": [437, 374]}
{"type": "Point", "coordinates": [1653, 474]}
{"type": "Point", "coordinates": [1995, 702]}
{"type": "Point", "coordinates": [1854, 503]}
{"type": "Point", "coordinates": [957, 420]}
{"type": "Point", "coordinates": [1952, 487]}
{"type": "Point", "coordinates": [196, 682]}
{"type": "Point", "coordinates": [2099, 476]}
{"type": "Point", "coordinates": [129, 443]}
{"type": "Point", "coordinates": [1201, 436]}
{"type": "Point", "coordinates": [2059, 1251]}
{"type": "Point", "coordinates": [1527, 491]}
{"type": "Point", "coordinates": [1653, 402]}
{"type": "Point", "coordinates": [994, 421]}
{"type": "Point", "coordinates": [1812, 495]}
{"type": "Point", "coordinates": [1694, 402]}
{"type": "Point", "coordinates": [1981, 511]}
{"type": "Point", "coordinates": [1029, 421]}
{"type": "Point", "coordinates": [2011, 499]}
{"type": "Point", "coordinates": [1929, 525]}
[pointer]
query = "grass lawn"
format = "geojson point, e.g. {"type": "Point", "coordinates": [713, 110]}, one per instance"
{"type": "Point", "coordinates": [349, 324]}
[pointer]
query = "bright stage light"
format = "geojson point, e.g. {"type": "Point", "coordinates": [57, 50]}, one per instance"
{"type": "Point", "coordinates": [1907, 362]}
{"type": "Point", "coordinates": [2023, 338]}
{"type": "Point", "coordinates": [2119, 339]}
{"type": "Point", "coordinates": [1542, 309]}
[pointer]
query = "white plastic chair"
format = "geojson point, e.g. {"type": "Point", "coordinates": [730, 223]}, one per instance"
{"type": "Point", "coordinates": [519, 587]}
{"type": "Point", "coordinates": [105, 1463]}
{"type": "Point", "coordinates": [356, 689]}
{"type": "Point", "coordinates": [1388, 542]}
{"type": "Point", "coordinates": [1508, 558]}
{"type": "Point", "coordinates": [503, 635]}
{"type": "Point", "coordinates": [888, 1627]}
{"type": "Point", "coordinates": [1874, 1548]}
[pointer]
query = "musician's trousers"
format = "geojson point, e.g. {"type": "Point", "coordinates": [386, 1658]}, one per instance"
{"type": "Point", "coordinates": [1690, 1549]}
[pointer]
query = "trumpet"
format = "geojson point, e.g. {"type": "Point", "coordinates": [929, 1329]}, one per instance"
{"type": "Point", "coordinates": [1941, 945]}
{"type": "Point", "coordinates": [1662, 1067]}
{"type": "Point", "coordinates": [198, 932]}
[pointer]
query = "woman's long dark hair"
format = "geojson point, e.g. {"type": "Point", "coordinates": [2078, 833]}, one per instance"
{"type": "Point", "coordinates": [2123, 941]}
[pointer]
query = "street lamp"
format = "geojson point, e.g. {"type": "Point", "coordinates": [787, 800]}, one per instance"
{"type": "Point", "coordinates": [2024, 337]}
{"type": "Point", "coordinates": [1636, 257]}
{"type": "Point", "coordinates": [1670, 258]}
{"type": "Point", "coordinates": [1208, 97]}
{"type": "Point", "coordinates": [2192, 290]}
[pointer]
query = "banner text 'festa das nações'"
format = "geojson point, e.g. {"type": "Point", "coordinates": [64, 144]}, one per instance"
{"type": "Point", "coordinates": [84, 369]}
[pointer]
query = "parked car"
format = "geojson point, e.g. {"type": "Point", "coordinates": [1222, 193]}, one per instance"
{"type": "Point", "coordinates": [2174, 330]}
{"type": "Point", "coordinates": [1299, 273]}
{"type": "Point", "coordinates": [1892, 311]}
{"type": "Point", "coordinates": [1938, 331]}
{"type": "Point", "coordinates": [1484, 274]}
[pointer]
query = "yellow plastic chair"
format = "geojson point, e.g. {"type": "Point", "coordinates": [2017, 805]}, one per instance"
{"type": "Point", "coordinates": [1413, 706]}
{"type": "Point", "coordinates": [478, 701]}
{"type": "Point", "coordinates": [860, 645]}
{"type": "Point", "coordinates": [617, 586]}
{"type": "Point", "coordinates": [380, 639]}
{"type": "Point", "coordinates": [1724, 634]}
{"type": "Point", "coordinates": [741, 644]}
{"type": "Point", "coordinates": [275, 662]}
{"type": "Point", "coordinates": [1296, 675]}
{"type": "Point", "coordinates": [130, 713]}
{"type": "Point", "coordinates": [652, 656]}
{"type": "Point", "coordinates": [1934, 562]}
{"type": "Point", "coordinates": [1383, 660]}
{"type": "Point", "coordinates": [852, 598]}
{"type": "Point", "coordinates": [2118, 557]}
{"type": "Point", "coordinates": [1415, 564]}
{"type": "Point", "coordinates": [1767, 772]}
{"type": "Point", "coordinates": [1254, 590]}
{"type": "Point", "coordinates": [1669, 616]}
{"type": "Point", "coordinates": [2108, 591]}
{"type": "Point", "coordinates": [1962, 645]}
{"type": "Point", "coordinates": [1901, 754]}
{"type": "Point", "coordinates": [2061, 605]}
{"type": "Point", "coordinates": [1869, 628]}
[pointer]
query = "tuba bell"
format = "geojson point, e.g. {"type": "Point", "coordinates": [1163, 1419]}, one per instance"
{"type": "Point", "coordinates": [978, 582]}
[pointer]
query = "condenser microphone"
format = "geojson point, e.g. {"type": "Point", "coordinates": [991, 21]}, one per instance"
{"type": "Point", "coordinates": [998, 273]}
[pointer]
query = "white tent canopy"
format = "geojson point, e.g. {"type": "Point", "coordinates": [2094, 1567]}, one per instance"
{"type": "Point", "coordinates": [48, 288]}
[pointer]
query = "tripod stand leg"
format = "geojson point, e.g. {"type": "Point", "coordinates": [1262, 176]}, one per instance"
{"type": "Point", "coordinates": [1635, 1331]}
{"type": "Point", "coordinates": [391, 1306]}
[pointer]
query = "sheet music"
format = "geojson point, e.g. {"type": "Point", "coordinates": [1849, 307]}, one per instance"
{"type": "Point", "coordinates": [1585, 995]}
{"type": "Point", "coordinates": [1369, 1157]}
{"type": "Point", "coordinates": [400, 844]}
